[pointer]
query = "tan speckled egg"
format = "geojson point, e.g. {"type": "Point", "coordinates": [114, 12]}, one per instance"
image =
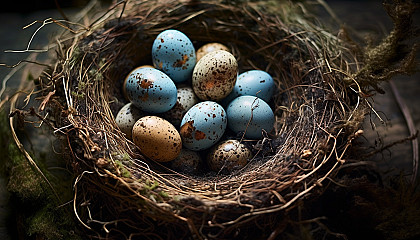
{"type": "Point", "coordinates": [126, 78]}
{"type": "Point", "coordinates": [214, 76]}
{"type": "Point", "coordinates": [228, 155]}
{"type": "Point", "coordinates": [126, 117]}
{"type": "Point", "coordinates": [188, 161]}
{"type": "Point", "coordinates": [210, 47]}
{"type": "Point", "coordinates": [157, 138]}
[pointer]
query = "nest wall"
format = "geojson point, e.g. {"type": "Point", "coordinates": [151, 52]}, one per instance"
{"type": "Point", "coordinates": [121, 193]}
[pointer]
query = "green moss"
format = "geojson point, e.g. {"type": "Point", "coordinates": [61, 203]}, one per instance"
{"type": "Point", "coordinates": [50, 223]}
{"type": "Point", "coordinates": [42, 223]}
{"type": "Point", "coordinates": [396, 53]}
{"type": "Point", "coordinates": [22, 180]}
{"type": "Point", "coordinates": [123, 169]}
{"type": "Point", "coordinates": [77, 94]}
{"type": "Point", "coordinates": [126, 157]}
{"type": "Point", "coordinates": [163, 194]}
{"type": "Point", "coordinates": [151, 185]}
{"type": "Point", "coordinates": [35, 211]}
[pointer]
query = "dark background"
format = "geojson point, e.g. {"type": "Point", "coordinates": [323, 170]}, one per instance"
{"type": "Point", "coordinates": [28, 6]}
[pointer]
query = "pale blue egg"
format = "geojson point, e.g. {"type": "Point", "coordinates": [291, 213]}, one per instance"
{"type": "Point", "coordinates": [174, 54]}
{"type": "Point", "coordinates": [251, 115]}
{"type": "Point", "coordinates": [253, 83]}
{"type": "Point", "coordinates": [203, 125]}
{"type": "Point", "coordinates": [151, 90]}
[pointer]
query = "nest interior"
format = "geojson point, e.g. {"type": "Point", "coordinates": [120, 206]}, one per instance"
{"type": "Point", "coordinates": [120, 193]}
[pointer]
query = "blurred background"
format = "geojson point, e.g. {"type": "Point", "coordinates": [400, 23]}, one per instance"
{"type": "Point", "coordinates": [367, 19]}
{"type": "Point", "coordinates": [27, 6]}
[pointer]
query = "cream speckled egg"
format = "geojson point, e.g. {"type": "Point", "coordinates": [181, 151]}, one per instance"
{"type": "Point", "coordinates": [210, 47]}
{"type": "Point", "coordinates": [126, 78]}
{"type": "Point", "coordinates": [126, 117]}
{"type": "Point", "coordinates": [157, 138]}
{"type": "Point", "coordinates": [188, 161]}
{"type": "Point", "coordinates": [186, 98]}
{"type": "Point", "coordinates": [214, 76]}
{"type": "Point", "coordinates": [228, 155]}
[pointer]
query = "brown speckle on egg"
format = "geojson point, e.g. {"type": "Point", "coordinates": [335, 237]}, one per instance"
{"type": "Point", "coordinates": [187, 129]}
{"type": "Point", "coordinates": [181, 62]}
{"type": "Point", "coordinates": [146, 84]}
{"type": "Point", "coordinates": [199, 135]}
{"type": "Point", "coordinates": [144, 97]}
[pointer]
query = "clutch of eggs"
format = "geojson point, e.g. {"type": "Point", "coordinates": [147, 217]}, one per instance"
{"type": "Point", "coordinates": [184, 102]}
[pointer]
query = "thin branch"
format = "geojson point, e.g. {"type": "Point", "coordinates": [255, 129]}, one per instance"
{"type": "Point", "coordinates": [411, 128]}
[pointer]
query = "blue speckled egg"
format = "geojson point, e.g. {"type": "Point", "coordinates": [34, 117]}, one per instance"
{"type": "Point", "coordinates": [174, 54]}
{"type": "Point", "coordinates": [126, 79]}
{"type": "Point", "coordinates": [253, 83]}
{"type": "Point", "coordinates": [151, 90]}
{"type": "Point", "coordinates": [251, 115]}
{"type": "Point", "coordinates": [203, 125]}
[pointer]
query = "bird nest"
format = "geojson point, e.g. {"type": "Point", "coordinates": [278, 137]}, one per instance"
{"type": "Point", "coordinates": [318, 104]}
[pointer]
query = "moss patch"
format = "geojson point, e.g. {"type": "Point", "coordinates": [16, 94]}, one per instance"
{"type": "Point", "coordinates": [35, 209]}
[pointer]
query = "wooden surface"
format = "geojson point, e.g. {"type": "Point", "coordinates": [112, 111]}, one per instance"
{"type": "Point", "coordinates": [366, 17]}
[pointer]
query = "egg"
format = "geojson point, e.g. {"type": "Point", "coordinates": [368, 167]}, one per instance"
{"type": "Point", "coordinates": [210, 47]}
{"type": "Point", "coordinates": [126, 79]}
{"type": "Point", "coordinates": [251, 115]}
{"type": "Point", "coordinates": [185, 100]}
{"type": "Point", "coordinates": [254, 83]}
{"type": "Point", "coordinates": [157, 138]}
{"type": "Point", "coordinates": [151, 90]}
{"type": "Point", "coordinates": [203, 125]}
{"type": "Point", "coordinates": [174, 54]}
{"type": "Point", "coordinates": [228, 155]}
{"type": "Point", "coordinates": [126, 117]}
{"type": "Point", "coordinates": [188, 161]}
{"type": "Point", "coordinates": [214, 76]}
